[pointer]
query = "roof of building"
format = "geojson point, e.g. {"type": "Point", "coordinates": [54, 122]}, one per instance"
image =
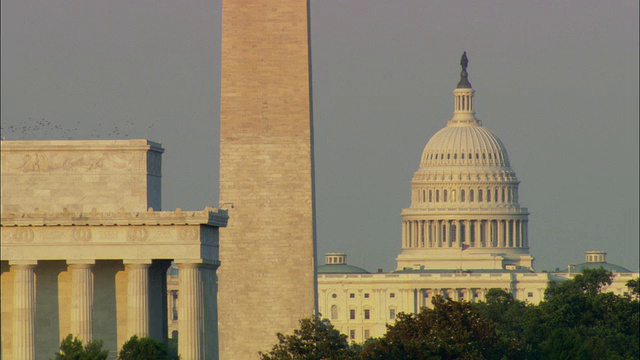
{"type": "Point", "coordinates": [596, 265]}
{"type": "Point", "coordinates": [464, 144]}
{"type": "Point", "coordinates": [340, 269]}
{"type": "Point", "coordinates": [455, 271]}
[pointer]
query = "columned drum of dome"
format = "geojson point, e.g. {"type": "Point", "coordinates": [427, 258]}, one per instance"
{"type": "Point", "coordinates": [464, 211]}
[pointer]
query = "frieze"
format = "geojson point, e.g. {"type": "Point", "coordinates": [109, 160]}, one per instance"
{"type": "Point", "coordinates": [137, 234]}
{"type": "Point", "coordinates": [39, 162]}
{"type": "Point", "coordinates": [189, 233]}
{"type": "Point", "coordinates": [20, 235]}
{"type": "Point", "coordinates": [81, 234]}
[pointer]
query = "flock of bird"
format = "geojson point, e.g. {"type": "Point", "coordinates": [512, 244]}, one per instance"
{"type": "Point", "coordinates": [32, 129]}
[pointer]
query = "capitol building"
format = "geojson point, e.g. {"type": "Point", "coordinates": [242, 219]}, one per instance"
{"type": "Point", "coordinates": [464, 233]}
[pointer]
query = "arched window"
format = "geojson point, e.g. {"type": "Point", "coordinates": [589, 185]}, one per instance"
{"type": "Point", "coordinates": [462, 156]}
{"type": "Point", "coordinates": [488, 195]}
{"type": "Point", "coordinates": [436, 156]}
{"type": "Point", "coordinates": [437, 195]}
{"type": "Point", "coordinates": [495, 195]}
{"type": "Point", "coordinates": [471, 195]}
{"type": "Point", "coordinates": [479, 195]}
{"type": "Point", "coordinates": [477, 156]}
{"type": "Point", "coordinates": [453, 195]}
{"type": "Point", "coordinates": [444, 196]}
{"type": "Point", "coordinates": [430, 196]}
{"type": "Point", "coordinates": [334, 312]}
{"type": "Point", "coordinates": [455, 156]}
{"type": "Point", "coordinates": [462, 195]}
{"type": "Point", "coordinates": [448, 156]}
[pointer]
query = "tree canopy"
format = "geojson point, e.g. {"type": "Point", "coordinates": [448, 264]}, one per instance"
{"type": "Point", "coordinates": [316, 339]}
{"type": "Point", "coordinates": [143, 349]}
{"type": "Point", "coordinates": [576, 320]}
{"type": "Point", "coordinates": [71, 348]}
{"type": "Point", "coordinates": [451, 330]}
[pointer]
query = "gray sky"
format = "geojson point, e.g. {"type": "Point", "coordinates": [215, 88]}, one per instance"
{"type": "Point", "coordinates": [557, 81]}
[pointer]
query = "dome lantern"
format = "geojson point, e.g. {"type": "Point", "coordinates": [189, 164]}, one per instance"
{"type": "Point", "coordinates": [463, 110]}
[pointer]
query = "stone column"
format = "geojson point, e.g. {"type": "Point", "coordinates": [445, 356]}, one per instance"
{"type": "Point", "coordinates": [138, 298]}
{"type": "Point", "coordinates": [190, 312]}
{"type": "Point", "coordinates": [24, 310]}
{"type": "Point", "coordinates": [82, 299]}
{"type": "Point", "coordinates": [467, 233]}
{"type": "Point", "coordinates": [420, 233]}
{"type": "Point", "coordinates": [514, 233]}
{"type": "Point", "coordinates": [487, 233]}
{"type": "Point", "coordinates": [447, 226]}
{"type": "Point", "coordinates": [520, 244]}
{"type": "Point", "coordinates": [429, 233]}
{"type": "Point", "coordinates": [501, 242]}
{"type": "Point", "coordinates": [404, 234]}
{"type": "Point", "coordinates": [476, 233]}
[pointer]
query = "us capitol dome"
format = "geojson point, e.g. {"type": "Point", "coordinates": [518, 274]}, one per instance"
{"type": "Point", "coordinates": [464, 211]}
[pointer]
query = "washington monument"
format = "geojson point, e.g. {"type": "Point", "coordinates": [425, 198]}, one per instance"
{"type": "Point", "coordinates": [267, 274]}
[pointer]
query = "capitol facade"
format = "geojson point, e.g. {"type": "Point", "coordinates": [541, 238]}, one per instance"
{"type": "Point", "coordinates": [463, 233]}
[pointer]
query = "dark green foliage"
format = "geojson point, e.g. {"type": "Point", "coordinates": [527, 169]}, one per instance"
{"type": "Point", "coordinates": [143, 349]}
{"type": "Point", "coordinates": [576, 320]}
{"type": "Point", "coordinates": [315, 340]}
{"type": "Point", "coordinates": [72, 349]}
{"type": "Point", "coordinates": [451, 330]}
{"type": "Point", "coordinates": [634, 286]}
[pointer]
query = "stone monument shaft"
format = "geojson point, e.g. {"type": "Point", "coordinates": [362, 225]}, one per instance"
{"type": "Point", "coordinates": [267, 252]}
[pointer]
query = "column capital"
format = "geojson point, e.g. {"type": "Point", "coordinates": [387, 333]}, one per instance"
{"type": "Point", "coordinates": [81, 263]}
{"type": "Point", "coordinates": [191, 263]}
{"type": "Point", "coordinates": [136, 262]}
{"type": "Point", "coordinates": [23, 263]}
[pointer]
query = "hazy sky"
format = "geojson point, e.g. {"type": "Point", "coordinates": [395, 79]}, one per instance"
{"type": "Point", "coordinates": [557, 81]}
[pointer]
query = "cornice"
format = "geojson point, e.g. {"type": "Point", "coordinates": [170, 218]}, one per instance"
{"type": "Point", "coordinates": [207, 216]}
{"type": "Point", "coordinates": [465, 211]}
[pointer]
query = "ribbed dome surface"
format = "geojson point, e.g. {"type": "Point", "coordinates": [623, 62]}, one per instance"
{"type": "Point", "coordinates": [464, 144]}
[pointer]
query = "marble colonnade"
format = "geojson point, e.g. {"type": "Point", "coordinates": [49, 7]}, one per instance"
{"type": "Point", "coordinates": [473, 232]}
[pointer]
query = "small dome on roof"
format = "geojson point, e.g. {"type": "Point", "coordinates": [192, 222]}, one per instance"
{"type": "Point", "coordinates": [595, 260]}
{"type": "Point", "coordinates": [336, 263]}
{"type": "Point", "coordinates": [341, 269]}
{"type": "Point", "coordinates": [607, 266]}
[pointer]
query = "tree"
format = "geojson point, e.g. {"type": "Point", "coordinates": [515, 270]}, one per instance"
{"type": "Point", "coordinates": [316, 339]}
{"type": "Point", "coordinates": [143, 349]}
{"type": "Point", "coordinates": [581, 322]}
{"type": "Point", "coordinates": [451, 330]}
{"type": "Point", "coordinates": [591, 281]}
{"type": "Point", "coordinates": [71, 348]}
{"type": "Point", "coordinates": [634, 286]}
{"type": "Point", "coordinates": [513, 318]}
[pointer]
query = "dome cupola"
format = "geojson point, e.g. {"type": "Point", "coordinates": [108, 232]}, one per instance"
{"type": "Point", "coordinates": [464, 197]}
